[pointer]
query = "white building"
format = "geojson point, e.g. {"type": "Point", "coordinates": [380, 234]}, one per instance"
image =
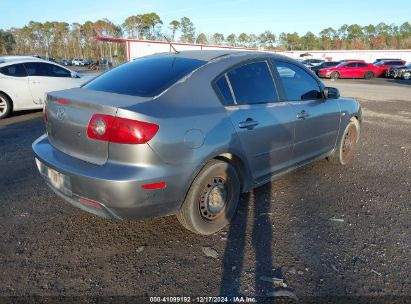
{"type": "Point", "coordinates": [139, 48]}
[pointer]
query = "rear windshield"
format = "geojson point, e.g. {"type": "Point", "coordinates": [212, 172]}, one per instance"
{"type": "Point", "coordinates": [145, 76]}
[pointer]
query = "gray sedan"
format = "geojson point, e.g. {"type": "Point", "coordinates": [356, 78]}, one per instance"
{"type": "Point", "coordinates": [186, 133]}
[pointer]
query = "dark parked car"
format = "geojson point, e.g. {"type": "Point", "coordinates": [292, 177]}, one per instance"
{"type": "Point", "coordinates": [384, 65]}
{"type": "Point", "coordinates": [352, 60]}
{"type": "Point", "coordinates": [186, 133]}
{"type": "Point", "coordinates": [88, 62]}
{"type": "Point", "coordinates": [382, 59]}
{"type": "Point", "coordinates": [403, 71]}
{"type": "Point", "coordinates": [323, 65]}
{"type": "Point", "coordinates": [313, 61]}
{"type": "Point", "coordinates": [64, 62]}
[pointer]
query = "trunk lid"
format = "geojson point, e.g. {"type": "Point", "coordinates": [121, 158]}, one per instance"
{"type": "Point", "coordinates": [69, 113]}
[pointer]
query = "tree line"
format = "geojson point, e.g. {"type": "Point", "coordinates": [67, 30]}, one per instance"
{"type": "Point", "coordinates": [63, 40]}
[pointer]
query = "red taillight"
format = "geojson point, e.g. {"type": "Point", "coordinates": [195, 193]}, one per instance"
{"type": "Point", "coordinates": [99, 127]}
{"type": "Point", "coordinates": [120, 130]}
{"type": "Point", "coordinates": [90, 203]}
{"type": "Point", "coordinates": [159, 185]}
{"type": "Point", "coordinates": [128, 131]}
{"type": "Point", "coordinates": [63, 101]}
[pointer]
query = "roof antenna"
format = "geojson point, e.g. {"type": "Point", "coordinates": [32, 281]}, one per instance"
{"type": "Point", "coordinates": [172, 46]}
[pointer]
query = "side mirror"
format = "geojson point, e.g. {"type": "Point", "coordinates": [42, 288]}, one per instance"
{"type": "Point", "coordinates": [74, 75]}
{"type": "Point", "coordinates": [331, 93]}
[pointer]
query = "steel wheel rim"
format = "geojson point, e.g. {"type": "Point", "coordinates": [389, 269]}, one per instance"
{"type": "Point", "coordinates": [214, 199]}
{"type": "Point", "coordinates": [349, 143]}
{"type": "Point", "coordinates": [3, 105]}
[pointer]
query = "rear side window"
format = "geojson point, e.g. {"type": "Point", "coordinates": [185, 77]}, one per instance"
{"type": "Point", "coordinates": [15, 70]}
{"type": "Point", "coordinates": [252, 83]}
{"type": "Point", "coordinates": [225, 91]}
{"type": "Point", "coordinates": [362, 65]}
{"type": "Point", "coordinates": [145, 76]}
{"type": "Point", "coordinates": [351, 65]}
{"type": "Point", "coordinates": [297, 83]}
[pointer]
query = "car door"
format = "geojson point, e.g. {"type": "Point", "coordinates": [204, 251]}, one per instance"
{"type": "Point", "coordinates": [351, 70]}
{"type": "Point", "coordinates": [264, 124]}
{"type": "Point", "coordinates": [15, 82]}
{"type": "Point", "coordinates": [362, 68]}
{"type": "Point", "coordinates": [317, 120]}
{"type": "Point", "coordinates": [46, 77]}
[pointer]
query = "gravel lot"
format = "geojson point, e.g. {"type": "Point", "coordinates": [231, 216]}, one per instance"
{"type": "Point", "coordinates": [325, 230]}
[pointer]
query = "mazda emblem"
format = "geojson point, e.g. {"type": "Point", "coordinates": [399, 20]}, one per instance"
{"type": "Point", "coordinates": [61, 113]}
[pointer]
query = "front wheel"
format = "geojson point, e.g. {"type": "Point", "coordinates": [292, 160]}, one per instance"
{"type": "Point", "coordinates": [335, 75]}
{"type": "Point", "coordinates": [211, 200]}
{"type": "Point", "coordinates": [346, 146]}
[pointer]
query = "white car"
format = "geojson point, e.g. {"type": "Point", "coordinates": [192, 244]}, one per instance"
{"type": "Point", "coordinates": [77, 62]}
{"type": "Point", "coordinates": [24, 82]}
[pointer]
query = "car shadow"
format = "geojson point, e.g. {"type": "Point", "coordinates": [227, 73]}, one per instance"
{"type": "Point", "coordinates": [405, 82]}
{"type": "Point", "coordinates": [20, 117]}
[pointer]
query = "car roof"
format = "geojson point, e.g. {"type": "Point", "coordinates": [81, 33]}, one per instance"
{"type": "Point", "coordinates": [388, 60]}
{"type": "Point", "coordinates": [209, 55]}
{"type": "Point", "coordinates": [22, 59]}
{"type": "Point", "coordinates": [14, 58]}
{"type": "Point", "coordinates": [355, 61]}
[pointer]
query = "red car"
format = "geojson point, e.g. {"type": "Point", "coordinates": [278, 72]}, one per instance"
{"type": "Point", "coordinates": [350, 69]}
{"type": "Point", "coordinates": [384, 65]}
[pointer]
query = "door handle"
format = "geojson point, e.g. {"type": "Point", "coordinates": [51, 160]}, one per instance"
{"type": "Point", "coordinates": [303, 114]}
{"type": "Point", "coordinates": [249, 123]}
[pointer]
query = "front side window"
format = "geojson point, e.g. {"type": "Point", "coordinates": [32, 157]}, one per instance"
{"type": "Point", "coordinates": [15, 70]}
{"type": "Point", "coordinates": [57, 71]}
{"type": "Point", "coordinates": [362, 65]}
{"type": "Point", "coordinates": [297, 83]}
{"type": "Point", "coordinates": [252, 83]}
{"type": "Point", "coordinates": [145, 77]}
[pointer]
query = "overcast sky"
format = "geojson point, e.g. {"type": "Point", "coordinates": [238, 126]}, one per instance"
{"type": "Point", "coordinates": [210, 16]}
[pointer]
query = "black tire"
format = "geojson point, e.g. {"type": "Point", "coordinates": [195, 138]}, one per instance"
{"type": "Point", "coordinates": [335, 75]}
{"type": "Point", "coordinates": [368, 75]}
{"type": "Point", "coordinates": [218, 180]}
{"type": "Point", "coordinates": [346, 145]}
{"type": "Point", "coordinates": [6, 106]}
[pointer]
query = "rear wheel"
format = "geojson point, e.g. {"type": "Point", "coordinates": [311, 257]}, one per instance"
{"type": "Point", "coordinates": [211, 200]}
{"type": "Point", "coordinates": [369, 75]}
{"type": "Point", "coordinates": [5, 106]}
{"type": "Point", "coordinates": [346, 146]}
{"type": "Point", "coordinates": [406, 75]}
{"type": "Point", "coordinates": [335, 75]}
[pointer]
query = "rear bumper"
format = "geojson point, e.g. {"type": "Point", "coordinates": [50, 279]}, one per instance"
{"type": "Point", "coordinates": [114, 190]}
